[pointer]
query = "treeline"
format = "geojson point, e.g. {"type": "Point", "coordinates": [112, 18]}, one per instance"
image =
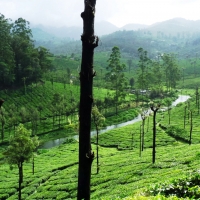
{"type": "Point", "coordinates": [20, 61]}
{"type": "Point", "coordinates": [155, 74]}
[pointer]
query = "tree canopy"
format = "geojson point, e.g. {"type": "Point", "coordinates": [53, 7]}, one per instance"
{"type": "Point", "coordinates": [116, 75]}
{"type": "Point", "coordinates": [19, 59]}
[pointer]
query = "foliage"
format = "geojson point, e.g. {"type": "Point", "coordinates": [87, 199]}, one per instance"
{"type": "Point", "coordinates": [20, 150]}
{"type": "Point", "coordinates": [187, 187]}
{"type": "Point", "coordinates": [20, 62]}
{"type": "Point", "coordinates": [21, 146]}
{"type": "Point", "coordinates": [143, 71]}
{"type": "Point", "coordinates": [171, 70]}
{"type": "Point", "coordinates": [97, 117]}
{"type": "Point", "coordinates": [178, 133]}
{"type": "Point", "coordinates": [116, 75]}
{"type": "Point", "coordinates": [7, 62]}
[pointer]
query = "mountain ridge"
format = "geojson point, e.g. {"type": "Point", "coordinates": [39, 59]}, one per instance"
{"type": "Point", "coordinates": [169, 27]}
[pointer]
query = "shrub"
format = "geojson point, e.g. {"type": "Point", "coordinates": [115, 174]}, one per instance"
{"type": "Point", "coordinates": [183, 188]}
{"type": "Point", "coordinates": [177, 133]}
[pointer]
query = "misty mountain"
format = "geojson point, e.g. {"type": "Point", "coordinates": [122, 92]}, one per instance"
{"type": "Point", "coordinates": [134, 27]}
{"type": "Point", "coordinates": [105, 28]}
{"type": "Point", "coordinates": [174, 27]}
{"type": "Point", "coordinates": [40, 35]}
{"type": "Point", "coordinates": [175, 35]}
{"type": "Point", "coordinates": [71, 33]}
{"type": "Point", "coordinates": [74, 32]}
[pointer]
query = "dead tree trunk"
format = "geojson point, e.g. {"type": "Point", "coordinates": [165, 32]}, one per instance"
{"type": "Point", "coordinates": [190, 141]}
{"type": "Point", "coordinates": [97, 129]}
{"type": "Point", "coordinates": [184, 117]}
{"type": "Point", "coordinates": [154, 132]}
{"type": "Point", "coordinates": [143, 123]}
{"type": "Point", "coordinates": [86, 155]}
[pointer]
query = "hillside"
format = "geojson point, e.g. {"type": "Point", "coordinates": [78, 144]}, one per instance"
{"type": "Point", "coordinates": [122, 172]}
{"type": "Point", "coordinates": [175, 27]}
{"type": "Point", "coordinates": [134, 27]}
{"type": "Point", "coordinates": [71, 33]}
{"type": "Point", "coordinates": [176, 35]}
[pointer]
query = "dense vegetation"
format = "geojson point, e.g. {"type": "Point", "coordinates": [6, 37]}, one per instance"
{"type": "Point", "coordinates": [20, 61]}
{"type": "Point", "coordinates": [129, 80]}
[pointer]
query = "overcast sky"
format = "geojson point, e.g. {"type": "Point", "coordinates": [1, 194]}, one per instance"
{"type": "Point", "coordinates": [119, 12]}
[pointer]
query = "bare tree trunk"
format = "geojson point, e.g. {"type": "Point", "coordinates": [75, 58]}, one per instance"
{"type": "Point", "coordinates": [190, 142]}
{"type": "Point", "coordinates": [20, 167]}
{"type": "Point", "coordinates": [185, 109]}
{"type": "Point", "coordinates": [148, 124]}
{"type": "Point", "coordinates": [140, 153]}
{"type": "Point", "coordinates": [86, 156]}
{"type": "Point", "coordinates": [143, 123]}
{"type": "Point", "coordinates": [154, 133]}
{"type": "Point", "coordinates": [33, 165]}
{"type": "Point", "coordinates": [169, 115]}
{"type": "Point", "coordinates": [97, 148]}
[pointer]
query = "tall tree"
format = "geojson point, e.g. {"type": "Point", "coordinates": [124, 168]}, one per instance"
{"type": "Point", "coordinates": [171, 70]}
{"type": "Point", "coordinates": [2, 121]}
{"type": "Point", "coordinates": [156, 76]}
{"type": "Point", "coordinates": [6, 54]}
{"type": "Point", "coordinates": [98, 120]}
{"type": "Point", "coordinates": [86, 155]}
{"type": "Point", "coordinates": [155, 110]}
{"type": "Point", "coordinates": [23, 47]}
{"type": "Point", "coordinates": [116, 75]}
{"type": "Point", "coordinates": [20, 149]}
{"type": "Point", "coordinates": [143, 72]}
{"type": "Point", "coordinates": [30, 62]}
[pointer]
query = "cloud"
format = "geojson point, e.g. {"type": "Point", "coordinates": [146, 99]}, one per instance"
{"type": "Point", "coordinates": [50, 12]}
{"type": "Point", "coordinates": [119, 12]}
{"type": "Point", "coordinates": [151, 11]}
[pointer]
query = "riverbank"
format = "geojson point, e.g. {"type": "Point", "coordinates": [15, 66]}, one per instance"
{"type": "Point", "coordinates": [58, 141]}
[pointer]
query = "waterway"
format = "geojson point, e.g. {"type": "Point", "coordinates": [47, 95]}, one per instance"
{"type": "Point", "coordinates": [57, 142]}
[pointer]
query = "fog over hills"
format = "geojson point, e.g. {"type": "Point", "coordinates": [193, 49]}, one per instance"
{"type": "Point", "coordinates": [175, 26]}
{"type": "Point", "coordinates": [134, 27]}
{"type": "Point", "coordinates": [73, 32]}
{"type": "Point", "coordinates": [170, 27]}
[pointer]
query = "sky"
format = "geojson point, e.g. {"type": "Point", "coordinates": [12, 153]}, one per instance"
{"type": "Point", "coordinates": [119, 12]}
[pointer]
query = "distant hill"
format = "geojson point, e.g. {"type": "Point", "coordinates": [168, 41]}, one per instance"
{"type": "Point", "coordinates": [172, 27]}
{"type": "Point", "coordinates": [41, 32]}
{"type": "Point", "coordinates": [105, 28]}
{"type": "Point", "coordinates": [174, 35]}
{"type": "Point", "coordinates": [176, 26]}
{"type": "Point", "coordinates": [133, 27]}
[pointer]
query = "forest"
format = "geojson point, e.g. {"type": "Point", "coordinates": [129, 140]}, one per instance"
{"type": "Point", "coordinates": [142, 139]}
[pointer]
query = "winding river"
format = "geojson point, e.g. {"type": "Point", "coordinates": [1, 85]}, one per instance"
{"type": "Point", "coordinates": [57, 142]}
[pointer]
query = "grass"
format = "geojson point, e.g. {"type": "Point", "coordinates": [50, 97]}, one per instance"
{"type": "Point", "coordinates": [122, 172]}
{"type": "Point", "coordinates": [42, 96]}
